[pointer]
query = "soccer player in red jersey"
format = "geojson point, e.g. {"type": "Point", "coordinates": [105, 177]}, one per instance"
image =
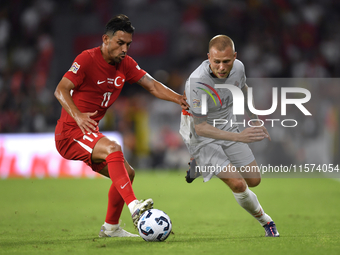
{"type": "Point", "coordinates": [90, 86]}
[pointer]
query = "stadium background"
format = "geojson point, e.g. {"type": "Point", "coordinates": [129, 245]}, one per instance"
{"type": "Point", "coordinates": [282, 38]}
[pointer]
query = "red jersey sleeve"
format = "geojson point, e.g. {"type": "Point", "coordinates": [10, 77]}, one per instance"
{"type": "Point", "coordinates": [76, 73]}
{"type": "Point", "coordinates": [133, 72]}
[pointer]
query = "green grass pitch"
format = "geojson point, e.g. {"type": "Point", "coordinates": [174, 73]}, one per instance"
{"type": "Point", "coordinates": [63, 216]}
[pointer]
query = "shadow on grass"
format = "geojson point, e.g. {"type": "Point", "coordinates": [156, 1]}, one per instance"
{"type": "Point", "coordinates": [97, 242]}
{"type": "Point", "coordinates": [173, 239]}
{"type": "Point", "coordinates": [43, 242]}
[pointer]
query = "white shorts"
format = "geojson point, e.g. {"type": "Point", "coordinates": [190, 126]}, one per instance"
{"type": "Point", "coordinates": [213, 157]}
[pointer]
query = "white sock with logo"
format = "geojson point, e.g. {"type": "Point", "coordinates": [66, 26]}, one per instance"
{"type": "Point", "coordinates": [248, 200]}
{"type": "Point", "coordinates": [131, 206]}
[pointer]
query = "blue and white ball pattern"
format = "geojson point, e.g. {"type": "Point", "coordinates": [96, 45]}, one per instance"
{"type": "Point", "coordinates": [154, 225]}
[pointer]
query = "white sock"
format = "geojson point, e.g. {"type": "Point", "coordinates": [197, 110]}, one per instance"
{"type": "Point", "coordinates": [248, 200]}
{"type": "Point", "coordinates": [132, 206]}
{"type": "Point", "coordinates": [110, 227]}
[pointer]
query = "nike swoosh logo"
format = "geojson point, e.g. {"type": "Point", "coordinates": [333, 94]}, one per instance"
{"type": "Point", "coordinates": [100, 82]}
{"type": "Point", "coordinates": [122, 187]}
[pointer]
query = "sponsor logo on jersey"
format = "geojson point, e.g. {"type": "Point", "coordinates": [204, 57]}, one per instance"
{"type": "Point", "coordinates": [196, 103]}
{"type": "Point", "coordinates": [74, 68]}
{"type": "Point", "coordinates": [100, 82]}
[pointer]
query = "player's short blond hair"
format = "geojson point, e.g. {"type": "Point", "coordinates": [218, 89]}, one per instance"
{"type": "Point", "coordinates": [220, 42]}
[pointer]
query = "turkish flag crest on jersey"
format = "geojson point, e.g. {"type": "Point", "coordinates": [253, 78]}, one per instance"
{"type": "Point", "coordinates": [117, 82]}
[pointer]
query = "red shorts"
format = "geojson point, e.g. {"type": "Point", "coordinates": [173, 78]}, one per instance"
{"type": "Point", "coordinates": [77, 146]}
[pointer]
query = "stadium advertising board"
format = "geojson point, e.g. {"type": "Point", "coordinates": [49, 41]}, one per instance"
{"type": "Point", "coordinates": [35, 156]}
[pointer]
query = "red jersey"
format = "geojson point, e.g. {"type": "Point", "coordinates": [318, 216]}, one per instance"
{"type": "Point", "coordinates": [97, 84]}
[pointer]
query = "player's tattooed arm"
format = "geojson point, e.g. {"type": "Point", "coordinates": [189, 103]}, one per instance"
{"type": "Point", "coordinates": [146, 78]}
{"type": "Point", "coordinates": [252, 116]}
{"type": "Point", "coordinates": [161, 91]}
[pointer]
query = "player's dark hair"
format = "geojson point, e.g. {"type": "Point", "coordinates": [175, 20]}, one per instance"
{"type": "Point", "coordinates": [119, 22]}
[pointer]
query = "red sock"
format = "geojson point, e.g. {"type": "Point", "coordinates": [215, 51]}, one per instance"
{"type": "Point", "coordinates": [119, 177]}
{"type": "Point", "coordinates": [115, 206]}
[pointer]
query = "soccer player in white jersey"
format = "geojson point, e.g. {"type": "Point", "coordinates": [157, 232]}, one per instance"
{"type": "Point", "coordinates": [220, 144]}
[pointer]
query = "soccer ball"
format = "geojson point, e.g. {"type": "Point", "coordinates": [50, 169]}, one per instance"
{"type": "Point", "coordinates": [154, 225]}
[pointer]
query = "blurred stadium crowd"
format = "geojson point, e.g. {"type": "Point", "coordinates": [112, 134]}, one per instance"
{"type": "Point", "coordinates": [282, 38]}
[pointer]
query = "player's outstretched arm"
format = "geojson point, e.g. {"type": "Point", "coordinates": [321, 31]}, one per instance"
{"type": "Point", "coordinates": [249, 135]}
{"type": "Point", "coordinates": [252, 115]}
{"type": "Point", "coordinates": [161, 91]}
{"type": "Point", "coordinates": [62, 93]}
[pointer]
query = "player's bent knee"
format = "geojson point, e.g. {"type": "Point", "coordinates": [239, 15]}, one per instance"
{"type": "Point", "coordinates": [253, 182]}
{"type": "Point", "coordinates": [237, 185]}
{"type": "Point", "coordinates": [113, 147]}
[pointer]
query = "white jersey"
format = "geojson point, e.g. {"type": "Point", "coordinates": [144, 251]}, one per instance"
{"type": "Point", "coordinates": [219, 102]}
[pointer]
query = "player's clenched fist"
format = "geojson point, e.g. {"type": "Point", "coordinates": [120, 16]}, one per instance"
{"type": "Point", "coordinates": [85, 123]}
{"type": "Point", "coordinates": [252, 134]}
